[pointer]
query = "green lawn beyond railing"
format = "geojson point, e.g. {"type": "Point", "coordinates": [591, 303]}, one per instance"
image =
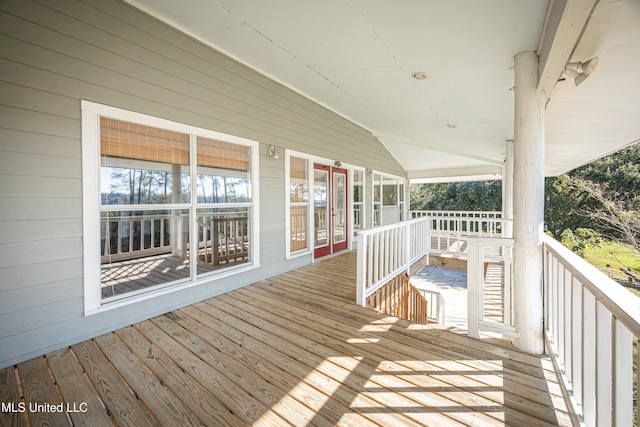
{"type": "Point", "coordinates": [613, 259]}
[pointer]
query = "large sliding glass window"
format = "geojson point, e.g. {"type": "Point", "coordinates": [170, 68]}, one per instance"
{"type": "Point", "coordinates": [174, 203]}
{"type": "Point", "coordinates": [224, 204]}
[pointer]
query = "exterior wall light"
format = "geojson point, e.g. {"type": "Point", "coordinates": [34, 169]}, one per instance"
{"type": "Point", "coordinates": [274, 152]}
{"type": "Point", "coordinates": [580, 70]}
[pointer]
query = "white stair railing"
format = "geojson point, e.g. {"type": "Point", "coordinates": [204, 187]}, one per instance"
{"type": "Point", "coordinates": [435, 306]}
{"type": "Point", "coordinates": [490, 313]}
{"type": "Point", "coordinates": [591, 326]}
{"type": "Point", "coordinates": [384, 252]}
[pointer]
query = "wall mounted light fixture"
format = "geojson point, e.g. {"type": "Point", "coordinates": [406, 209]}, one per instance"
{"type": "Point", "coordinates": [368, 171]}
{"type": "Point", "coordinates": [274, 152]}
{"type": "Point", "coordinates": [580, 70]}
{"type": "Point", "coordinates": [337, 164]}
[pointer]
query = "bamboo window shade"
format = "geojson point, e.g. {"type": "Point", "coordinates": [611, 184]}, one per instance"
{"type": "Point", "coordinates": [298, 168]}
{"type": "Point", "coordinates": [129, 140]}
{"type": "Point", "coordinates": [222, 154]}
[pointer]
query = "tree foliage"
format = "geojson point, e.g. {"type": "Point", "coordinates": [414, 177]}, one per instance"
{"type": "Point", "coordinates": [601, 196]}
{"type": "Point", "coordinates": [467, 196]}
{"type": "Point", "coordinates": [598, 200]}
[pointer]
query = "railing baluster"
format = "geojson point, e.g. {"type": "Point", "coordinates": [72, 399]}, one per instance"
{"type": "Point", "coordinates": [142, 243]}
{"type": "Point", "coordinates": [623, 376]}
{"type": "Point", "coordinates": [119, 237]}
{"type": "Point", "coordinates": [589, 390]}
{"type": "Point", "coordinates": [560, 312]}
{"type": "Point", "coordinates": [568, 322]}
{"type": "Point", "coordinates": [604, 367]}
{"type": "Point", "coordinates": [153, 234]}
{"type": "Point", "coordinates": [577, 347]}
{"type": "Point", "coordinates": [131, 235]}
{"type": "Point", "coordinates": [107, 240]}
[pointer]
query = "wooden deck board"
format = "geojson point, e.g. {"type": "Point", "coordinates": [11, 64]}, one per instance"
{"type": "Point", "coordinates": [39, 386]}
{"type": "Point", "coordinates": [290, 350]}
{"type": "Point", "coordinates": [76, 389]}
{"type": "Point", "coordinates": [117, 396]}
{"type": "Point", "coordinates": [10, 394]}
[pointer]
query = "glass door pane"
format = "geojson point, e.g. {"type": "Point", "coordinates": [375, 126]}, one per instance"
{"type": "Point", "coordinates": [339, 207]}
{"type": "Point", "coordinates": [320, 200]}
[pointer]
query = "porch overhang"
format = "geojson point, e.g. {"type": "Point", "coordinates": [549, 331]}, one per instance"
{"type": "Point", "coordinates": [460, 116]}
{"type": "Point", "coordinates": [473, 173]}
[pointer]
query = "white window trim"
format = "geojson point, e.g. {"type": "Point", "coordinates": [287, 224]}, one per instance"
{"type": "Point", "coordinates": [363, 204]}
{"type": "Point", "coordinates": [383, 177]}
{"type": "Point", "coordinates": [287, 204]}
{"type": "Point", "coordinates": [91, 113]}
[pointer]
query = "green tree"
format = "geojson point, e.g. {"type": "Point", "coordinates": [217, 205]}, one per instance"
{"type": "Point", "coordinates": [601, 196]}
{"type": "Point", "coordinates": [470, 196]}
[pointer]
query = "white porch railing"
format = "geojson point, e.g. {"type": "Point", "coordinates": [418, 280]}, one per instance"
{"type": "Point", "coordinates": [591, 326]}
{"type": "Point", "coordinates": [223, 238]}
{"type": "Point", "coordinates": [490, 313]}
{"type": "Point", "coordinates": [591, 323]}
{"type": "Point", "coordinates": [450, 229]}
{"type": "Point", "coordinates": [384, 252]}
{"type": "Point", "coordinates": [457, 214]}
{"type": "Point", "coordinates": [134, 236]}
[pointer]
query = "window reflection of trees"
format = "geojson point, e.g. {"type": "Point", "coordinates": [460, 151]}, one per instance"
{"type": "Point", "coordinates": [223, 189]}
{"type": "Point", "coordinates": [142, 186]}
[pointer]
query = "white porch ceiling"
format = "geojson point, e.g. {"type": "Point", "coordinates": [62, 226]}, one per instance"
{"type": "Point", "coordinates": [356, 57]}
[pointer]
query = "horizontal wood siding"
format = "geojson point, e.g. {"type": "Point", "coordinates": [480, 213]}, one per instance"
{"type": "Point", "coordinates": [390, 214]}
{"type": "Point", "coordinates": [54, 54]}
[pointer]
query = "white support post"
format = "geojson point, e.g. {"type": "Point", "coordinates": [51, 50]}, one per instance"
{"type": "Point", "coordinates": [475, 287]}
{"type": "Point", "coordinates": [528, 180]}
{"type": "Point", "coordinates": [507, 191]}
{"type": "Point", "coordinates": [361, 262]}
{"type": "Point", "coordinates": [176, 227]}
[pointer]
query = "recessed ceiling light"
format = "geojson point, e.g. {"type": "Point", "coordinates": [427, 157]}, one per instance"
{"type": "Point", "coordinates": [419, 75]}
{"type": "Point", "coordinates": [451, 126]}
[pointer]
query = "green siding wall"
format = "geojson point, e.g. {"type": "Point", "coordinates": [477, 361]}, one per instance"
{"type": "Point", "coordinates": [54, 53]}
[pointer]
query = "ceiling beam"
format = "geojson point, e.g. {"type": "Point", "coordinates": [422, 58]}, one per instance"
{"type": "Point", "coordinates": [473, 173]}
{"type": "Point", "coordinates": [564, 24]}
{"type": "Point", "coordinates": [435, 147]}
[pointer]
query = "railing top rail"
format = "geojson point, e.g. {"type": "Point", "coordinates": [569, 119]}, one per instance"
{"type": "Point", "coordinates": [454, 212]}
{"type": "Point", "coordinates": [374, 230]}
{"type": "Point", "coordinates": [492, 241]}
{"type": "Point", "coordinates": [611, 294]}
{"type": "Point", "coordinates": [145, 216]}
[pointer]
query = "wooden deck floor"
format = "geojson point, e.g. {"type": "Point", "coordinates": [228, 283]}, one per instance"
{"type": "Point", "coordinates": [291, 350]}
